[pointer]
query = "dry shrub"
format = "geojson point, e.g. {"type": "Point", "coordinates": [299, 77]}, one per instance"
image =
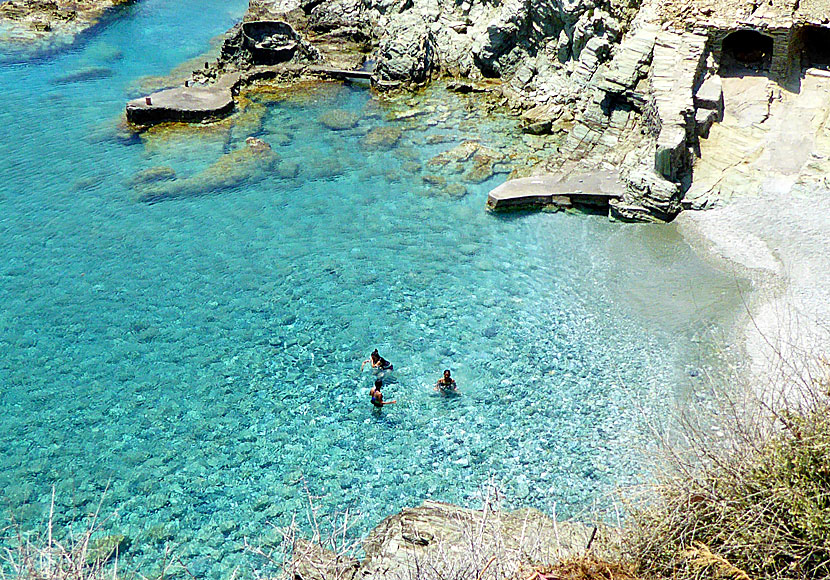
{"type": "Point", "coordinates": [752, 501]}
{"type": "Point", "coordinates": [42, 556]}
{"type": "Point", "coordinates": [585, 568]}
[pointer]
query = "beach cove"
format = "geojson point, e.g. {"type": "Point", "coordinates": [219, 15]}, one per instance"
{"type": "Point", "coordinates": [195, 360]}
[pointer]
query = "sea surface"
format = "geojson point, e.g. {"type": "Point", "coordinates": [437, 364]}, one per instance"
{"type": "Point", "coordinates": [191, 368]}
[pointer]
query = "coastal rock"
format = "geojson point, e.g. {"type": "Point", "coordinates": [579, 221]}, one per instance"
{"type": "Point", "coordinates": [438, 536]}
{"type": "Point", "coordinates": [647, 197]}
{"type": "Point", "coordinates": [406, 52]}
{"type": "Point", "coordinates": [501, 36]}
{"type": "Point", "coordinates": [342, 17]}
{"type": "Point", "coordinates": [311, 561]}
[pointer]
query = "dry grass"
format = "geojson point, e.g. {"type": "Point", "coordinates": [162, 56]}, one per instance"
{"type": "Point", "coordinates": [585, 568]}
{"type": "Point", "coordinates": [745, 495]}
{"type": "Point", "coordinates": [41, 556]}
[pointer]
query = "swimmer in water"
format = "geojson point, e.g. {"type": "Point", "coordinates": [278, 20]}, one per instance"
{"type": "Point", "coordinates": [378, 362]}
{"type": "Point", "coordinates": [446, 384]}
{"type": "Point", "coordinates": [377, 396]}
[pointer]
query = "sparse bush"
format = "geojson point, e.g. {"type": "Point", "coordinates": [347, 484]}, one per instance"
{"type": "Point", "coordinates": [751, 503]}
{"type": "Point", "coordinates": [43, 556]}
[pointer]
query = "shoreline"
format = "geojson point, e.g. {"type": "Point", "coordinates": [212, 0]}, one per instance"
{"type": "Point", "coordinates": [770, 219]}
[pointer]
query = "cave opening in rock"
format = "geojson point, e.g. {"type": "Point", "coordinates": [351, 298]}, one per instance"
{"type": "Point", "coordinates": [747, 49]}
{"type": "Point", "coordinates": [816, 42]}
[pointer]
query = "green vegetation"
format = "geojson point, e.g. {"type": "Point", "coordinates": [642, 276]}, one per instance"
{"type": "Point", "coordinates": [753, 504]}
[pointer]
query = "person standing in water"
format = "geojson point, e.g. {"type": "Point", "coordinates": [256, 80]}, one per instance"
{"type": "Point", "coordinates": [378, 362]}
{"type": "Point", "coordinates": [377, 396]}
{"type": "Point", "coordinates": [446, 384]}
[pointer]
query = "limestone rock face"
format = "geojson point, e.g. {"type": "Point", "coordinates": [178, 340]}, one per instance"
{"type": "Point", "coordinates": [406, 52]}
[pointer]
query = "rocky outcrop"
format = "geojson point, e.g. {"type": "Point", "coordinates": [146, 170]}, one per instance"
{"type": "Point", "coordinates": [455, 542]}
{"type": "Point", "coordinates": [406, 53]}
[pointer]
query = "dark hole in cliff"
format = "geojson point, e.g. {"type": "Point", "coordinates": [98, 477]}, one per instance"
{"type": "Point", "coordinates": [816, 46]}
{"type": "Point", "coordinates": [747, 49]}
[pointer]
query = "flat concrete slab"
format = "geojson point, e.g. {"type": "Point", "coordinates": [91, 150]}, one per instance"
{"type": "Point", "coordinates": [594, 189]}
{"type": "Point", "coordinates": [194, 103]}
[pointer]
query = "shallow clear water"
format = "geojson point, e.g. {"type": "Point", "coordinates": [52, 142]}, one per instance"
{"type": "Point", "coordinates": [199, 357]}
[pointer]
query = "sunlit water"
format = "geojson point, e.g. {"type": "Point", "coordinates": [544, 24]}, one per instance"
{"type": "Point", "coordinates": [196, 361]}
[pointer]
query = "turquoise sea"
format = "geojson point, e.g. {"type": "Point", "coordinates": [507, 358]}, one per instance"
{"type": "Point", "coordinates": [195, 362]}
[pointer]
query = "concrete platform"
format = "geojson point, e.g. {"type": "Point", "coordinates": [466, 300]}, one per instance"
{"type": "Point", "coordinates": [195, 103]}
{"type": "Point", "coordinates": [594, 190]}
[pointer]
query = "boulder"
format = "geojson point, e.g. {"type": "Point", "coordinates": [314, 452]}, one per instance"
{"type": "Point", "coordinates": [648, 197]}
{"type": "Point", "coordinates": [458, 542]}
{"type": "Point", "coordinates": [406, 52]}
{"type": "Point", "coordinates": [501, 36]}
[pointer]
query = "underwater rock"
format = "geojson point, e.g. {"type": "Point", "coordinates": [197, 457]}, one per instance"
{"type": "Point", "coordinates": [249, 120]}
{"type": "Point", "coordinates": [482, 168]}
{"type": "Point", "coordinates": [280, 139]}
{"type": "Point", "coordinates": [339, 120]}
{"type": "Point", "coordinates": [430, 179]}
{"type": "Point", "coordinates": [287, 169]}
{"type": "Point", "coordinates": [102, 549]}
{"type": "Point", "coordinates": [90, 73]}
{"type": "Point", "coordinates": [250, 163]}
{"type": "Point", "coordinates": [152, 175]}
{"type": "Point", "coordinates": [382, 137]}
{"type": "Point", "coordinates": [455, 190]}
{"type": "Point", "coordinates": [326, 168]}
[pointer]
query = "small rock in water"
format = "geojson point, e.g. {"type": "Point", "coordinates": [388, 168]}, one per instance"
{"type": "Point", "coordinates": [455, 190]}
{"type": "Point", "coordinates": [382, 137]}
{"type": "Point", "coordinates": [339, 120]}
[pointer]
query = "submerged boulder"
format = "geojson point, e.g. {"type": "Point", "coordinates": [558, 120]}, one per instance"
{"type": "Point", "coordinates": [249, 163]}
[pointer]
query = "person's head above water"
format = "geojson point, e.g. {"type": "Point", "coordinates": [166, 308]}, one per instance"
{"type": "Point", "coordinates": [375, 356]}
{"type": "Point", "coordinates": [447, 373]}
{"type": "Point", "coordinates": [378, 383]}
